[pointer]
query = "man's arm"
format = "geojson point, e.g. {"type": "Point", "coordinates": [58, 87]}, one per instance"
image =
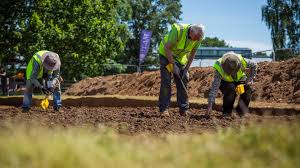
{"type": "Point", "coordinates": [168, 47]}
{"type": "Point", "coordinates": [55, 79]}
{"type": "Point", "coordinates": [34, 74]}
{"type": "Point", "coordinates": [190, 59]}
{"type": "Point", "coordinates": [253, 70]}
{"type": "Point", "coordinates": [172, 41]}
{"type": "Point", "coordinates": [214, 88]}
{"type": "Point", "coordinates": [192, 55]}
{"type": "Point", "coordinates": [213, 91]}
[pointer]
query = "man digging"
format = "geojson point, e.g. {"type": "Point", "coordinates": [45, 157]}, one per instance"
{"type": "Point", "coordinates": [231, 79]}
{"type": "Point", "coordinates": [177, 51]}
{"type": "Point", "coordinates": [43, 62]}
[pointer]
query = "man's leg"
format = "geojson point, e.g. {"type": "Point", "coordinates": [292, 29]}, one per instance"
{"type": "Point", "coordinates": [3, 86]}
{"type": "Point", "coordinates": [27, 96]}
{"type": "Point", "coordinates": [228, 90]}
{"type": "Point", "coordinates": [165, 85]}
{"type": "Point", "coordinates": [182, 95]}
{"type": "Point", "coordinates": [57, 97]}
{"type": "Point", "coordinates": [245, 97]}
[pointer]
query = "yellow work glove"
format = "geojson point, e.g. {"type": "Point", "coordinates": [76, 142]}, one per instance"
{"type": "Point", "coordinates": [170, 67]}
{"type": "Point", "coordinates": [240, 89]}
{"type": "Point", "coordinates": [173, 68]}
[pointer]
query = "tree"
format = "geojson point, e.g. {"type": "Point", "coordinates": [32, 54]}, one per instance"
{"type": "Point", "coordinates": [154, 15]}
{"type": "Point", "coordinates": [213, 42]}
{"type": "Point", "coordinates": [86, 34]}
{"type": "Point", "coordinates": [11, 14]}
{"type": "Point", "coordinates": [283, 18]}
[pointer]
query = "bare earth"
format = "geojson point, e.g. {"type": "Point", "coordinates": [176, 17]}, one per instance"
{"type": "Point", "coordinates": [275, 82]}
{"type": "Point", "coordinates": [129, 120]}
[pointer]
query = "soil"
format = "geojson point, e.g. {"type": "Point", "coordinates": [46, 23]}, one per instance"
{"type": "Point", "coordinates": [275, 82]}
{"type": "Point", "coordinates": [129, 120]}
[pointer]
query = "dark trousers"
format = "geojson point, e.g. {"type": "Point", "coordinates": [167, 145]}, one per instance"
{"type": "Point", "coordinates": [229, 95]}
{"type": "Point", "coordinates": [165, 87]}
{"type": "Point", "coordinates": [4, 86]}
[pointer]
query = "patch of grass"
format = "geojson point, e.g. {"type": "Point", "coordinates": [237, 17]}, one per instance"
{"type": "Point", "coordinates": [254, 146]}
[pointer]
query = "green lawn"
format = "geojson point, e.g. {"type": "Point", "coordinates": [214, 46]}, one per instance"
{"type": "Point", "coordinates": [269, 145]}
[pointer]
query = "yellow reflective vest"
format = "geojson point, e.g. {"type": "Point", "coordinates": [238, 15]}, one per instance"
{"type": "Point", "coordinates": [228, 78]}
{"type": "Point", "coordinates": [38, 58]}
{"type": "Point", "coordinates": [180, 52]}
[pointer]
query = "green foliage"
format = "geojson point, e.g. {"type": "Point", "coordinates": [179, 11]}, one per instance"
{"type": "Point", "coordinates": [213, 42]}
{"type": "Point", "coordinates": [113, 68]}
{"type": "Point", "coordinates": [283, 18]}
{"type": "Point", "coordinates": [12, 12]}
{"type": "Point", "coordinates": [261, 53]}
{"type": "Point", "coordinates": [153, 15]}
{"type": "Point", "coordinates": [272, 145]}
{"type": "Point", "coordinates": [84, 33]}
{"type": "Point", "coordinates": [285, 54]}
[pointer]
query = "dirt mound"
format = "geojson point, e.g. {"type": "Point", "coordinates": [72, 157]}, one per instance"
{"type": "Point", "coordinates": [131, 120]}
{"type": "Point", "coordinates": [276, 82]}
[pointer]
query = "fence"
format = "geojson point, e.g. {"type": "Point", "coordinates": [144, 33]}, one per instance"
{"type": "Point", "coordinates": [259, 56]}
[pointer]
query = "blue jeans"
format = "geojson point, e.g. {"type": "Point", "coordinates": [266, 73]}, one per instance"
{"type": "Point", "coordinates": [165, 87]}
{"type": "Point", "coordinates": [27, 100]}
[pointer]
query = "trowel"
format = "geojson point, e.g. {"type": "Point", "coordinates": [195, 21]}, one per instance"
{"type": "Point", "coordinates": [45, 102]}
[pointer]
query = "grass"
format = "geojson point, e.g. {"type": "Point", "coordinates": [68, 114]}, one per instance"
{"type": "Point", "coordinates": [254, 146]}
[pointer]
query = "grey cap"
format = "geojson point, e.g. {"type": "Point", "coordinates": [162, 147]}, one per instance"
{"type": "Point", "coordinates": [231, 63]}
{"type": "Point", "coordinates": [51, 61]}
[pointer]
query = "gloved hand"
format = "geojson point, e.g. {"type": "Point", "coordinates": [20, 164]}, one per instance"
{"type": "Point", "coordinates": [51, 89]}
{"type": "Point", "coordinates": [176, 70]}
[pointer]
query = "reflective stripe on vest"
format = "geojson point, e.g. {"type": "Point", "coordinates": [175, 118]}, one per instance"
{"type": "Point", "coordinates": [228, 78]}
{"type": "Point", "coordinates": [38, 58]}
{"type": "Point", "coordinates": [180, 51]}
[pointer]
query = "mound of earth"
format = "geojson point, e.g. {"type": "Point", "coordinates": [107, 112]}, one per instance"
{"type": "Point", "coordinates": [275, 82]}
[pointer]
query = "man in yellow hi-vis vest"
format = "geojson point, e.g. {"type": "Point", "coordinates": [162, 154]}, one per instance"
{"type": "Point", "coordinates": [230, 73]}
{"type": "Point", "coordinates": [177, 51]}
{"type": "Point", "coordinates": [43, 62]}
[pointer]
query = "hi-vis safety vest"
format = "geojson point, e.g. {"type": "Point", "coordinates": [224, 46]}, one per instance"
{"type": "Point", "coordinates": [180, 51]}
{"type": "Point", "coordinates": [37, 57]}
{"type": "Point", "coordinates": [228, 78]}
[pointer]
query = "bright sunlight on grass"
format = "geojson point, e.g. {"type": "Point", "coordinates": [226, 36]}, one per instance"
{"type": "Point", "coordinates": [254, 146]}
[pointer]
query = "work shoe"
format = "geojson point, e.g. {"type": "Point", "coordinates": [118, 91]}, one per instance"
{"type": "Point", "coordinates": [226, 115]}
{"type": "Point", "coordinates": [243, 115]}
{"type": "Point", "coordinates": [185, 112]}
{"type": "Point", "coordinates": [240, 114]}
{"type": "Point", "coordinates": [58, 109]}
{"type": "Point", "coordinates": [165, 113]}
{"type": "Point", "coordinates": [25, 110]}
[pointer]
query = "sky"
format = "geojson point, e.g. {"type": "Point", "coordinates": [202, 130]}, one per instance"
{"type": "Point", "coordinates": [238, 22]}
